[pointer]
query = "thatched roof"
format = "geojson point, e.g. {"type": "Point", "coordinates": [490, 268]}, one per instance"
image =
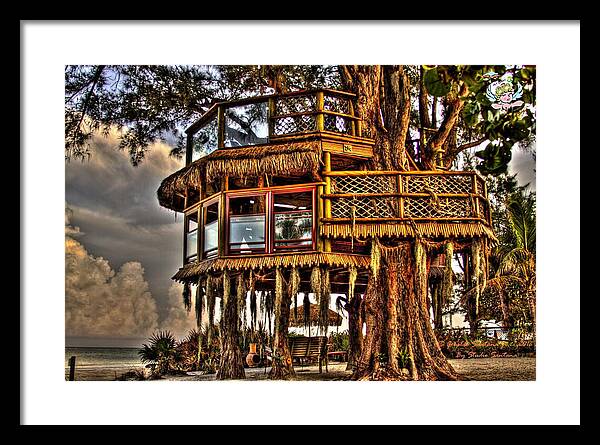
{"type": "Point", "coordinates": [289, 159]}
{"type": "Point", "coordinates": [334, 319]}
{"type": "Point", "coordinates": [191, 272]}
{"type": "Point", "coordinates": [406, 229]}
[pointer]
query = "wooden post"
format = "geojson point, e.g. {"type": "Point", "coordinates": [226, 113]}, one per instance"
{"type": "Point", "coordinates": [475, 199]}
{"type": "Point", "coordinates": [327, 203]}
{"type": "Point", "coordinates": [320, 107]}
{"type": "Point", "coordinates": [353, 129]}
{"type": "Point", "coordinates": [320, 214]}
{"type": "Point", "coordinates": [270, 120]}
{"type": "Point", "coordinates": [400, 186]}
{"type": "Point", "coordinates": [200, 235]}
{"type": "Point", "coordinates": [72, 368]}
{"type": "Point", "coordinates": [222, 224]}
{"type": "Point", "coordinates": [220, 126]}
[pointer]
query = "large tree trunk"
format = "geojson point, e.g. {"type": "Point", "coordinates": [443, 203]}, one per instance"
{"type": "Point", "coordinates": [395, 302]}
{"type": "Point", "coordinates": [282, 358]}
{"type": "Point", "coordinates": [231, 365]}
{"type": "Point", "coordinates": [355, 327]}
{"type": "Point", "coordinates": [400, 322]}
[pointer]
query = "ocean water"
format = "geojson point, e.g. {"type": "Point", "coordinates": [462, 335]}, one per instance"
{"type": "Point", "coordinates": [96, 363]}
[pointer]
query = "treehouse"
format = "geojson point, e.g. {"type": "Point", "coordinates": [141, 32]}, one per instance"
{"type": "Point", "coordinates": [283, 181]}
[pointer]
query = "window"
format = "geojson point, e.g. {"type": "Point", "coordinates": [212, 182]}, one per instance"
{"type": "Point", "coordinates": [271, 221]}
{"type": "Point", "coordinates": [191, 237]}
{"type": "Point", "coordinates": [247, 222]}
{"type": "Point", "coordinates": [205, 140]}
{"type": "Point", "coordinates": [293, 220]}
{"type": "Point", "coordinates": [246, 125]}
{"type": "Point", "coordinates": [210, 241]}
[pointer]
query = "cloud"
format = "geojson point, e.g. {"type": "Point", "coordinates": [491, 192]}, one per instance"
{"type": "Point", "coordinates": [100, 301]}
{"type": "Point", "coordinates": [115, 204]}
{"type": "Point", "coordinates": [178, 320]}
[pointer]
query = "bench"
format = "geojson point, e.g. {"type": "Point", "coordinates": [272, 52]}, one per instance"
{"type": "Point", "coordinates": [304, 348]}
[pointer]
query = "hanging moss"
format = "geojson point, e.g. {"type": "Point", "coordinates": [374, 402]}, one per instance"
{"type": "Point", "coordinates": [375, 257]}
{"type": "Point", "coordinates": [352, 275]}
{"type": "Point", "coordinates": [448, 279]}
{"type": "Point", "coordinates": [294, 287]}
{"type": "Point", "coordinates": [253, 309]}
{"type": "Point", "coordinates": [278, 292]}
{"type": "Point", "coordinates": [200, 290]}
{"type": "Point", "coordinates": [315, 282]}
{"type": "Point", "coordinates": [421, 268]}
{"type": "Point", "coordinates": [269, 309]}
{"type": "Point", "coordinates": [242, 293]}
{"type": "Point", "coordinates": [187, 296]}
{"type": "Point", "coordinates": [306, 311]}
{"type": "Point", "coordinates": [210, 306]}
{"type": "Point", "coordinates": [479, 277]}
{"type": "Point", "coordinates": [324, 300]}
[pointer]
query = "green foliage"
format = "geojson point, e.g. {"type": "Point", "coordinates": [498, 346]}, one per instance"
{"type": "Point", "coordinates": [434, 84]}
{"type": "Point", "coordinates": [160, 352]}
{"type": "Point", "coordinates": [340, 341]}
{"type": "Point", "coordinates": [403, 359]}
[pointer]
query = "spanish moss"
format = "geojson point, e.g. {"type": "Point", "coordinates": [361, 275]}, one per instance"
{"type": "Point", "coordinates": [242, 292]}
{"type": "Point", "coordinates": [294, 286]}
{"type": "Point", "coordinates": [199, 301]}
{"type": "Point", "coordinates": [187, 296]}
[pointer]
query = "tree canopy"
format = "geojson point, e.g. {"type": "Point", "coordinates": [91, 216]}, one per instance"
{"type": "Point", "coordinates": [445, 110]}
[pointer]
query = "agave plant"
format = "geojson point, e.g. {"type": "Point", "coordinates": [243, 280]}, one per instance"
{"type": "Point", "coordinates": [160, 352]}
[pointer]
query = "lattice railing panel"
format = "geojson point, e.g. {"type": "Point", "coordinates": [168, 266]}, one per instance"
{"type": "Point", "coordinates": [417, 207]}
{"type": "Point", "coordinates": [364, 208]}
{"type": "Point", "coordinates": [363, 184]}
{"type": "Point", "coordinates": [337, 104]}
{"type": "Point", "coordinates": [437, 184]}
{"type": "Point", "coordinates": [294, 124]}
{"type": "Point", "coordinates": [295, 104]}
{"type": "Point", "coordinates": [339, 124]}
{"type": "Point", "coordinates": [480, 185]}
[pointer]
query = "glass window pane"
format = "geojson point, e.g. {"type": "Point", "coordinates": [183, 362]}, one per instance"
{"type": "Point", "coordinates": [246, 125]}
{"type": "Point", "coordinates": [205, 141]}
{"type": "Point", "coordinates": [192, 244]}
{"type": "Point", "coordinates": [211, 230]}
{"type": "Point", "coordinates": [294, 226]}
{"type": "Point", "coordinates": [247, 232]}
{"type": "Point", "coordinates": [211, 236]}
{"type": "Point", "coordinates": [247, 219]}
{"type": "Point", "coordinates": [293, 219]}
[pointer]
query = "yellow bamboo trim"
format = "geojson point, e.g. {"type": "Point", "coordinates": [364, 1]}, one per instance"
{"type": "Point", "coordinates": [406, 230]}
{"type": "Point", "coordinates": [193, 270]}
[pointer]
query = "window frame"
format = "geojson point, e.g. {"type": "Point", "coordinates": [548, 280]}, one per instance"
{"type": "Point", "coordinates": [203, 206]}
{"type": "Point", "coordinates": [238, 194]}
{"type": "Point", "coordinates": [188, 213]}
{"type": "Point", "coordinates": [296, 247]}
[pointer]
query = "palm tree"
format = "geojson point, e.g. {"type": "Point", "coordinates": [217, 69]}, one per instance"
{"type": "Point", "coordinates": [515, 254]}
{"type": "Point", "coordinates": [160, 353]}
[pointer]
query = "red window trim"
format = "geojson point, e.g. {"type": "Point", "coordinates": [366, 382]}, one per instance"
{"type": "Point", "coordinates": [270, 220]}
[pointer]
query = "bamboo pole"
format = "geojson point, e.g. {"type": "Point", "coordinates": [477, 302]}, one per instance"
{"type": "Point", "coordinates": [320, 105]}
{"type": "Point", "coordinates": [327, 202]}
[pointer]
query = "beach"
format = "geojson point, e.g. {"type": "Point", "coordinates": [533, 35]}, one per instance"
{"type": "Point", "coordinates": [110, 364]}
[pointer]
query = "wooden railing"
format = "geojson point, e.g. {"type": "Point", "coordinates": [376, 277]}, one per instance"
{"type": "Point", "coordinates": [388, 196]}
{"type": "Point", "coordinates": [272, 119]}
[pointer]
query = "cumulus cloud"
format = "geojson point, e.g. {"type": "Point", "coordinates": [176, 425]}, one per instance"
{"type": "Point", "coordinates": [100, 301]}
{"type": "Point", "coordinates": [178, 320]}
{"type": "Point", "coordinates": [115, 204]}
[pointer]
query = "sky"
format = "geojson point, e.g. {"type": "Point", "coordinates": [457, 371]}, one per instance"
{"type": "Point", "coordinates": [122, 248]}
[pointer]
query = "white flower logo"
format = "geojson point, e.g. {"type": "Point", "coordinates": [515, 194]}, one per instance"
{"type": "Point", "coordinates": [504, 93]}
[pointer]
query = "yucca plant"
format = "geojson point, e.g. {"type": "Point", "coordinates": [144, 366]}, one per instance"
{"type": "Point", "coordinates": [160, 352]}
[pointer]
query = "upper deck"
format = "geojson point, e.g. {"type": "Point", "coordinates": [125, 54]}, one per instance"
{"type": "Point", "coordinates": [276, 119]}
